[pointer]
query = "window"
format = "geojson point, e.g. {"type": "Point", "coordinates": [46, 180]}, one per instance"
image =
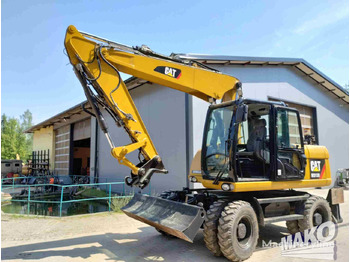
{"type": "Point", "coordinates": [218, 126]}
{"type": "Point", "coordinates": [247, 127]}
{"type": "Point", "coordinates": [288, 135]}
{"type": "Point", "coordinates": [308, 118]}
{"type": "Point", "coordinates": [220, 120]}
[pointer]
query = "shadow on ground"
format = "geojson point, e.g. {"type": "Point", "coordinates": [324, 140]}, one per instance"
{"type": "Point", "coordinates": [145, 245]}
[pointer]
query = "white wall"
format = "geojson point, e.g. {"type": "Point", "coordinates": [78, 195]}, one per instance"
{"type": "Point", "coordinates": [163, 112]}
{"type": "Point", "coordinates": [44, 139]}
{"type": "Point", "coordinates": [286, 83]}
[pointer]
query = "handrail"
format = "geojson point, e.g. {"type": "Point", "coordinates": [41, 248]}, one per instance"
{"type": "Point", "coordinates": [61, 201]}
{"type": "Point", "coordinates": [40, 177]}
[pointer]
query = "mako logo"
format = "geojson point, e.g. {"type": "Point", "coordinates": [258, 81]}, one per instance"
{"type": "Point", "coordinates": [315, 243]}
{"type": "Point", "coordinates": [169, 71]}
{"type": "Point", "coordinates": [317, 169]}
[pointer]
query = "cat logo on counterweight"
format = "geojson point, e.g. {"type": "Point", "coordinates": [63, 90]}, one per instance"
{"type": "Point", "coordinates": [317, 168]}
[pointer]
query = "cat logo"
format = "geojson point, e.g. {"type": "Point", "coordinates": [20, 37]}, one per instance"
{"type": "Point", "coordinates": [169, 71]}
{"type": "Point", "coordinates": [315, 166]}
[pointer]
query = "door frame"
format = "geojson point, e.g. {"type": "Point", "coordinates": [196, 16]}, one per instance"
{"type": "Point", "coordinates": [275, 149]}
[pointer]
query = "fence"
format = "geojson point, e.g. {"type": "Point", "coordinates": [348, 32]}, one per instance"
{"type": "Point", "coordinates": [12, 181]}
{"type": "Point", "coordinates": [61, 188]}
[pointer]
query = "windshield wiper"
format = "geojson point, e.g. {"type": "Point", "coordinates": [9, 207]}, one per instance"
{"type": "Point", "coordinates": [221, 172]}
{"type": "Point", "coordinates": [219, 175]}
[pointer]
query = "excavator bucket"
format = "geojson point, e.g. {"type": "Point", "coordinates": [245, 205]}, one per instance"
{"type": "Point", "coordinates": [175, 218]}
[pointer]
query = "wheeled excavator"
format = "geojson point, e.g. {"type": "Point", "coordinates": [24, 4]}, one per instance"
{"type": "Point", "coordinates": [253, 155]}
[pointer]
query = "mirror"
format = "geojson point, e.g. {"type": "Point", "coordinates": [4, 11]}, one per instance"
{"type": "Point", "coordinates": [241, 113]}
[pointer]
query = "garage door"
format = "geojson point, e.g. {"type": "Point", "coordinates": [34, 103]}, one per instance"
{"type": "Point", "coordinates": [62, 143]}
{"type": "Point", "coordinates": [82, 130]}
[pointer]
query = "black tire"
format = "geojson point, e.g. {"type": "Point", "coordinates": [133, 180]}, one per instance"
{"type": "Point", "coordinates": [234, 246]}
{"type": "Point", "coordinates": [293, 226]}
{"type": "Point", "coordinates": [211, 227]}
{"type": "Point", "coordinates": [313, 206]}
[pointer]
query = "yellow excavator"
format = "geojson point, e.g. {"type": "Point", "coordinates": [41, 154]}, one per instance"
{"type": "Point", "coordinates": [253, 154]}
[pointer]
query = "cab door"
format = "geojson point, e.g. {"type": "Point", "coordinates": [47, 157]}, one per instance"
{"type": "Point", "coordinates": [289, 157]}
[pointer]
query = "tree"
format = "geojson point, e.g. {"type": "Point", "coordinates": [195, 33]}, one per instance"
{"type": "Point", "coordinates": [26, 120]}
{"type": "Point", "coordinates": [26, 123]}
{"type": "Point", "coordinates": [13, 139]}
{"type": "Point", "coordinates": [9, 127]}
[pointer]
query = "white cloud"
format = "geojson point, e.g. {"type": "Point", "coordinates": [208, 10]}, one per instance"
{"type": "Point", "coordinates": [322, 20]}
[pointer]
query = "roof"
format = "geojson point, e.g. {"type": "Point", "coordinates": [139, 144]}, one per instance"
{"type": "Point", "coordinates": [59, 118]}
{"type": "Point", "coordinates": [298, 63]}
{"type": "Point", "coordinates": [131, 83]}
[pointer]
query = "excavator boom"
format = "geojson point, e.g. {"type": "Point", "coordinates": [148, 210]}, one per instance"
{"type": "Point", "coordinates": [97, 63]}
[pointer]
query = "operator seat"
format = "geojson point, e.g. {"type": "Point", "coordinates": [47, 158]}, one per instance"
{"type": "Point", "coordinates": [256, 140]}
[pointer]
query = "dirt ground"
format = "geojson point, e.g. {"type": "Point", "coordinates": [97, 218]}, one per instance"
{"type": "Point", "coordinates": [115, 237]}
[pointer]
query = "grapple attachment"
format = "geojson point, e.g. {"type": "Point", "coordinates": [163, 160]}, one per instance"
{"type": "Point", "coordinates": [175, 218]}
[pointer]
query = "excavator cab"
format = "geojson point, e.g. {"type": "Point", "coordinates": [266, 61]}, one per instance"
{"type": "Point", "coordinates": [247, 140]}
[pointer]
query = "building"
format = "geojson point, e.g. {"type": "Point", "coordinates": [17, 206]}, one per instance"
{"type": "Point", "coordinates": [175, 120]}
{"type": "Point", "coordinates": [10, 166]}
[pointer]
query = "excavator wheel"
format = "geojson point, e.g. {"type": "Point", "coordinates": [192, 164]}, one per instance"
{"type": "Point", "coordinates": [316, 212]}
{"type": "Point", "coordinates": [211, 227]}
{"type": "Point", "coordinates": [293, 226]}
{"type": "Point", "coordinates": [238, 231]}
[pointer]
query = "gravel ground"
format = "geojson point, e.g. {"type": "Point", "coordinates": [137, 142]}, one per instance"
{"type": "Point", "coordinates": [116, 237]}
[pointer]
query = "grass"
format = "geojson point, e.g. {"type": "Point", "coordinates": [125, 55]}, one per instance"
{"type": "Point", "coordinates": [92, 192]}
{"type": "Point", "coordinates": [118, 203]}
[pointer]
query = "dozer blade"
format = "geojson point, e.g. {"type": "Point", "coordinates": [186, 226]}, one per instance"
{"type": "Point", "coordinates": [175, 218]}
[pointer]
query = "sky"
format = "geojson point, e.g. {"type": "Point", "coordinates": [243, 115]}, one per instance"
{"type": "Point", "coordinates": [36, 74]}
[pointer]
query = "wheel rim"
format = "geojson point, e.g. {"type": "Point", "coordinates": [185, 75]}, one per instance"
{"type": "Point", "coordinates": [320, 216]}
{"type": "Point", "coordinates": [317, 219]}
{"type": "Point", "coordinates": [244, 232]}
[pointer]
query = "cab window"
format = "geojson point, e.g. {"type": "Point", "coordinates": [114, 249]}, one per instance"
{"type": "Point", "coordinates": [288, 133]}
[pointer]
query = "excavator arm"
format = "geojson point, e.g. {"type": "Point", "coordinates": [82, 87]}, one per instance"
{"type": "Point", "coordinates": [97, 63]}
